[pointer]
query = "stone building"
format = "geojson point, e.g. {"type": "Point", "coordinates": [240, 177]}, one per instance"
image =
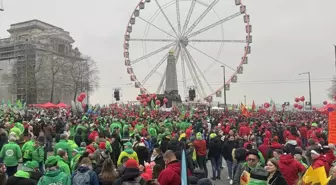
{"type": "Point", "coordinates": [27, 61]}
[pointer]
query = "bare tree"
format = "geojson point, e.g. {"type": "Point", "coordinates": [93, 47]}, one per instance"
{"type": "Point", "coordinates": [82, 76]}
{"type": "Point", "coordinates": [332, 89]}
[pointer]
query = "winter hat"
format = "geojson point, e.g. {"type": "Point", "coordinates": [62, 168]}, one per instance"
{"type": "Point", "coordinates": [30, 166]}
{"type": "Point", "coordinates": [199, 136]}
{"type": "Point", "coordinates": [131, 163]}
{"type": "Point", "coordinates": [102, 145]}
{"type": "Point", "coordinates": [253, 152]}
{"type": "Point", "coordinates": [51, 161]}
{"type": "Point", "coordinates": [212, 135]}
{"type": "Point", "coordinates": [204, 181]}
{"type": "Point", "coordinates": [258, 177]}
{"type": "Point", "coordinates": [128, 144]}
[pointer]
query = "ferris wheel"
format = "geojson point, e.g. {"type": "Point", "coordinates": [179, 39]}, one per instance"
{"type": "Point", "coordinates": [203, 35]}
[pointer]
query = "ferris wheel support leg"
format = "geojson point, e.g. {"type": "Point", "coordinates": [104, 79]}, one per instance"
{"type": "Point", "coordinates": [192, 70]}
{"type": "Point", "coordinates": [197, 67]}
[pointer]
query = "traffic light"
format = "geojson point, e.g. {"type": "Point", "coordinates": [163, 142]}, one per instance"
{"type": "Point", "coordinates": [117, 95]}
{"type": "Point", "coordinates": [192, 94]}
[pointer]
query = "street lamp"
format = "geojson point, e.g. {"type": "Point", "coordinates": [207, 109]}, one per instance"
{"type": "Point", "coordinates": [224, 87]}
{"type": "Point", "coordinates": [310, 101]}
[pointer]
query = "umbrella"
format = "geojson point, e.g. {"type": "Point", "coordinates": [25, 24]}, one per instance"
{"type": "Point", "coordinates": [63, 105]}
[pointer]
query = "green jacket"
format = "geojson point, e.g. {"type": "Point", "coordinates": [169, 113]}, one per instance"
{"type": "Point", "coordinates": [54, 177]}
{"type": "Point", "coordinates": [11, 153]}
{"type": "Point", "coordinates": [27, 149]}
{"type": "Point", "coordinates": [130, 153]}
{"type": "Point", "coordinates": [63, 166]}
{"type": "Point", "coordinates": [63, 144]}
{"type": "Point", "coordinates": [72, 144]}
{"type": "Point", "coordinates": [38, 154]}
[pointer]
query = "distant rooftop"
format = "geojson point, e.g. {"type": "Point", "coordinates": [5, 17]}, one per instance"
{"type": "Point", "coordinates": [33, 24]}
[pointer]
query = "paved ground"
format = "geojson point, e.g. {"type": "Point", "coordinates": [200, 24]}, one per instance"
{"type": "Point", "coordinates": [224, 175]}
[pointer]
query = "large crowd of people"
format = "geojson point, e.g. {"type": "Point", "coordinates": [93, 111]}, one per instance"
{"type": "Point", "coordinates": [127, 146]}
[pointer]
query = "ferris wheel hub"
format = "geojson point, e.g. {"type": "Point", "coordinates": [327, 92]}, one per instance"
{"type": "Point", "coordinates": [184, 41]}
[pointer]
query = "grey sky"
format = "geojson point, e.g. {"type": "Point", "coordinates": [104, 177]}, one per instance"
{"type": "Point", "coordinates": [289, 37]}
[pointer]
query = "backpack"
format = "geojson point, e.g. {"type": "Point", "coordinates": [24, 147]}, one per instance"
{"type": "Point", "coordinates": [137, 181]}
{"type": "Point", "coordinates": [81, 178]}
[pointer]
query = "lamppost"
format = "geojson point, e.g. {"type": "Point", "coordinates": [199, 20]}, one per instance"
{"type": "Point", "coordinates": [310, 101]}
{"type": "Point", "coordinates": [245, 100]}
{"type": "Point", "coordinates": [224, 87]}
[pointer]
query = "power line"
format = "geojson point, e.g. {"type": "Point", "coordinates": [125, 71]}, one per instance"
{"type": "Point", "coordinates": [256, 82]}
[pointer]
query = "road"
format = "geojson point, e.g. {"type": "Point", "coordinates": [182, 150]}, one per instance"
{"type": "Point", "coordinates": [224, 175]}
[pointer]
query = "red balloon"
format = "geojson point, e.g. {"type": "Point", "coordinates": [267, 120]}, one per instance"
{"type": "Point", "coordinates": [138, 98]}
{"type": "Point", "coordinates": [144, 103]}
{"type": "Point", "coordinates": [300, 107]}
{"type": "Point", "coordinates": [165, 100]}
{"type": "Point", "coordinates": [297, 100]}
{"type": "Point", "coordinates": [154, 95]}
{"type": "Point", "coordinates": [143, 96]}
{"type": "Point", "coordinates": [314, 108]}
{"type": "Point", "coordinates": [80, 99]}
{"type": "Point", "coordinates": [302, 98]}
{"type": "Point", "coordinates": [325, 102]}
{"type": "Point", "coordinates": [82, 95]}
{"type": "Point", "coordinates": [296, 105]}
{"type": "Point", "coordinates": [266, 105]}
{"type": "Point", "coordinates": [149, 99]}
{"type": "Point", "coordinates": [157, 102]}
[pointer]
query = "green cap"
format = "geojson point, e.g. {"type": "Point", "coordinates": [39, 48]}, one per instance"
{"type": "Point", "coordinates": [31, 164]}
{"type": "Point", "coordinates": [51, 161]}
{"type": "Point", "coordinates": [128, 144]}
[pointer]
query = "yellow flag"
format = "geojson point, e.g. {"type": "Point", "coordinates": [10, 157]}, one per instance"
{"type": "Point", "coordinates": [310, 176]}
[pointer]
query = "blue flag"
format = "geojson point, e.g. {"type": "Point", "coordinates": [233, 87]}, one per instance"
{"type": "Point", "coordinates": [184, 175]}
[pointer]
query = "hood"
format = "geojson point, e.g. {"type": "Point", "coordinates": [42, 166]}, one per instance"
{"type": "Point", "coordinates": [266, 141]}
{"type": "Point", "coordinates": [83, 169]}
{"type": "Point", "coordinates": [129, 151]}
{"type": "Point", "coordinates": [286, 159]}
{"type": "Point", "coordinates": [130, 174]}
{"type": "Point", "coordinates": [175, 166]}
{"type": "Point", "coordinates": [53, 173]}
{"type": "Point", "coordinates": [22, 174]}
{"type": "Point", "coordinates": [321, 158]}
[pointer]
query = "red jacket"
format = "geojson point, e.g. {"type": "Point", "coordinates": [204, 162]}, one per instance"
{"type": "Point", "coordinates": [93, 136]}
{"type": "Point", "coordinates": [303, 131]}
{"type": "Point", "coordinates": [276, 145]}
{"type": "Point", "coordinates": [330, 157]}
{"type": "Point", "coordinates": [264, 148]}
{"type": "Point", "coordinates": [171, 175]}
{"type": "Point", "coordinates": [321, 161]}
{"type": "Point", "coordinates": [290, 168]}
{"type": "Point", "coordinates": [200, 146]}
{"type": "Point", "coordinates": [244, 131]}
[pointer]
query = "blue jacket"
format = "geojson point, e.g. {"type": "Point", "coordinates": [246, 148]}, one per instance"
{"type": "Point", "coordinates": [93, 176]}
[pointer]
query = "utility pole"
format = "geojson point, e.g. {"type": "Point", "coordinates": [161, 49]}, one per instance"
{"type": "Point", "coordinates": [309, 84]}
{"type": "Point", "coordinates": [335, 56]}
{"type": "Point", "coordinates": [224, 87]}
{"type": "Point", "coordinates": [245, 100]}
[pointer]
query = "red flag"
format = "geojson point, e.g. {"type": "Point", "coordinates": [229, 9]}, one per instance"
{"type": "Point", "coordinates": [253, 106]}
{"type": "Point", "coordinates": [244, 110]}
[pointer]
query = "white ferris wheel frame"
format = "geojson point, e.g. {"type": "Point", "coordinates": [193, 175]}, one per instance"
{"type": "Point", "coordinates": [183, 35]}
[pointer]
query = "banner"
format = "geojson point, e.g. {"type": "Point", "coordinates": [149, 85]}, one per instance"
{"type": "Point", "coordinates": [332, 128]}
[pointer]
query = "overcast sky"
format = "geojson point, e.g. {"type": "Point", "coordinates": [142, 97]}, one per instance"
{"type": "Point", "coordinates": [289, 37]}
